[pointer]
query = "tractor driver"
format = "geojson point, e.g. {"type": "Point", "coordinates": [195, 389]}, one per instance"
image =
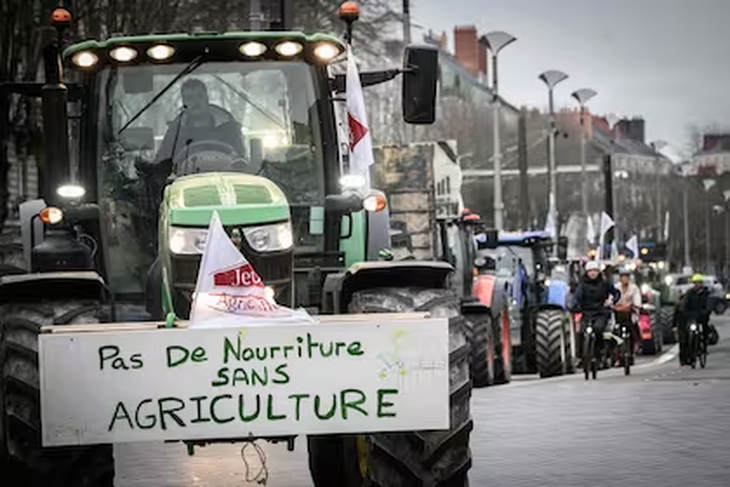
{"type": "Point", "coordinates": [200, 122]}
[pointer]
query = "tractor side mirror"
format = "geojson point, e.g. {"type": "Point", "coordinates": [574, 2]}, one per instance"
{"type": "Point", "coordinates": [489, 239]}
{"type": "Point", "coordinates": [419, 84]}
{"type": "Point", "coordinates": [342, 204]}
{"type": "Point", "coordinates": [562, 248]}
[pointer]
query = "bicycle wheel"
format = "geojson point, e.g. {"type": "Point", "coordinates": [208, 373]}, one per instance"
{"type": "Point", "coordinates": [692, 350]}
{"type": "Point", "coordinates": [594, 368]}
{"type": "Point", "coordinates": [626, 354]}
{"type": "Point", "coordinates": [703, 352]}
{"type": "Point", "coordinates": [587, 354]}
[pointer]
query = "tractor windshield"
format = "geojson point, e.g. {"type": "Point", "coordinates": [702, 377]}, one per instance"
{"type": "Point", "coordinates": [533, 258]}
{"type": "Point", "coordinates": [161, 121]}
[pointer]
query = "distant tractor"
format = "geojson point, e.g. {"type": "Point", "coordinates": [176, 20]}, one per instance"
{"type": "Point", "coordinates": [423, 184]}
{"type": "Point", "coordinates": [120, 237]}
{"type": "Point", "coordinates": [542, 335]}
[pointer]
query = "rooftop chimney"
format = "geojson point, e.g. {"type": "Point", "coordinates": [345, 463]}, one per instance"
{"type": "Point", "coordinates": [632, 129]}
{"type": "Point", "coordinates": [466, 48]}
{"type": "Point", "coordinates": [716, 142]}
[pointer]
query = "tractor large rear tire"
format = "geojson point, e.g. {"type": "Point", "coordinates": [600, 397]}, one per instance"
{"type": "Point", "coordinates": [503, 348]}
{"type": "Point", "coordinates": [22, 457]}
{"type": "Point", "coordinates": [433, 458]}
{"type": "Point", "coordinates": [480, 336]}
{"type": "Point", "coordinates": [550, 342]}
{"type": "Point", "coordinates": [665, 316]}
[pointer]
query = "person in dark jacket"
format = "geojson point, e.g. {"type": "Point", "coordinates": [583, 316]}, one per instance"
{"type": "Point", "coordinates": [695, 306]}
{"type": "Point", "coordinates": [594, 298]}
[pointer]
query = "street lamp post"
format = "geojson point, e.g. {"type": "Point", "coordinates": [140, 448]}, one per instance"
{"type": "Point", "coordinates": [551, 79]}
{"type": "Point", "coordinates": [708, 184]}
{"type": "Point", "coordinates": [495, 42]}
{"type": "Point", "coordinates": [657, 146]}
{"type": "Point", "coordinates": [582, 96]}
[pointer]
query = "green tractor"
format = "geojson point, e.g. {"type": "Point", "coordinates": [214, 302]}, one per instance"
{"type": "Point", "coordinates": [170, 129]}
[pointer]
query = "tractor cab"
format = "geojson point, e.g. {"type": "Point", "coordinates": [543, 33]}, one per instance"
{"type": "Point", "coordinates": [175, 127]}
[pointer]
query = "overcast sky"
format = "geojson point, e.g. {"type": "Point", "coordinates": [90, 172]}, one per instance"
{"type": "Point", "coordinates": [667, 60]}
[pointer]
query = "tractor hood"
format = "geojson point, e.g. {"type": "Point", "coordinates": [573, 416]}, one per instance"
{"type": "Point", "coordinates": [239, 199]}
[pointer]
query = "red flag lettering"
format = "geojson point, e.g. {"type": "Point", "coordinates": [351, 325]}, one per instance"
{"type": "Point", "coordinates": [243, 276]}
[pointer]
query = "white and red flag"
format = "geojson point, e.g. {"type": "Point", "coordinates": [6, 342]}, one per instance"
{"type": "Point", "coordinates": [229, 291]}
{"type": "Point", "coordinates": [361, 144]}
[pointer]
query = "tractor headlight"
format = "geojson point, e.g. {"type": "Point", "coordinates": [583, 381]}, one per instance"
{"type": "Point", "coordinates": [188, 241]}
{"type": "Point", "coordinates": [71, 191]}
{"type": "Point", "coordinates": [269, 238]}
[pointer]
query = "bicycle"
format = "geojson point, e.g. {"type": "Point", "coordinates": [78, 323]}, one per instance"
{"type": "Point", "coordinates": [697, 345]}
{"type": "Point", "coordinates": [626, 347]}
{"type": "Point", "coordinates": [590, 360]}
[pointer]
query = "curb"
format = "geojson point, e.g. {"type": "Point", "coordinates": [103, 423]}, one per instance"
{"type": "Point", "coordinates": [665, 357]}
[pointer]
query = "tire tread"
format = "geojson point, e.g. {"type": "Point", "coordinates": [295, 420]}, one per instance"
{"type": "Point", "coordinates": [21, 452]}
{"type": "Point", "coordinates": [424, 458]}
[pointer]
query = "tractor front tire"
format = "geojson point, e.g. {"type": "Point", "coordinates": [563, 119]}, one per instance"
{"type": "Point", "coordinates": [480, 334]}
{"type": "Point", "coordinates": [22, 457]}
{"type": "Point", "coordinates": [436, 458]}
{"type": "Point", "coordinates": [550, 342]}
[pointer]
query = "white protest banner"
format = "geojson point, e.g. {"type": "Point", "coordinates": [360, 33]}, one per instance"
{"type": "Point", "coordinates": [347, 374]}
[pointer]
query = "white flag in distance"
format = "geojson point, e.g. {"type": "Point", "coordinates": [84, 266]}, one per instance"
{"type": "Point", "coordinates": [361, 144]}
{"type": "Point", "coordinates": [550, 225]}
{"type": "Point", "coordinates": [229, 291]}
{"type": "Point", "coordinates": [607, 223]}
{"type": "Point", "coordinates": [633, 245]}
{"type": "Point", "coordinates": [590, 231]}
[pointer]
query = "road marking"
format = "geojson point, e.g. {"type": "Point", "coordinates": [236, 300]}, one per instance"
{"type": "Point", "coordinates": [667, 356]}
{"type": "Point", "coordinates": [533, 379]}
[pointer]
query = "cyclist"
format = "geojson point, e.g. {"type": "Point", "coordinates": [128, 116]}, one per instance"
{"type": "Point", "coordinates": [628, 305]}
{"type": "Point", "coordinates": [594, 298]}
{"type": "Point", "coordinates": [693, 307]}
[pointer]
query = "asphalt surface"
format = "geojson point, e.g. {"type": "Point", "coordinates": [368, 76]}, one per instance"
{"type": "Point", "coordinates": [664, 425]}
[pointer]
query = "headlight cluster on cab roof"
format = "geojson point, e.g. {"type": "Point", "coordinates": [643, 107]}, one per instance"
{"type": "Point", "coordinates": [315, 49]}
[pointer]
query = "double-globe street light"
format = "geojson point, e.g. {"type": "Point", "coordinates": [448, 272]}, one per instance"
{"type": "Point", "coordinates": [657, 146]}
{"type": "Point", "coordinates": [495, 42]}
{"type": "Point", "coordinates": [551, 79]}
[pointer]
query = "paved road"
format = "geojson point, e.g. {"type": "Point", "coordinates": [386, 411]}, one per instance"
{"type": "Point", "coordinates": [663, 426]}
